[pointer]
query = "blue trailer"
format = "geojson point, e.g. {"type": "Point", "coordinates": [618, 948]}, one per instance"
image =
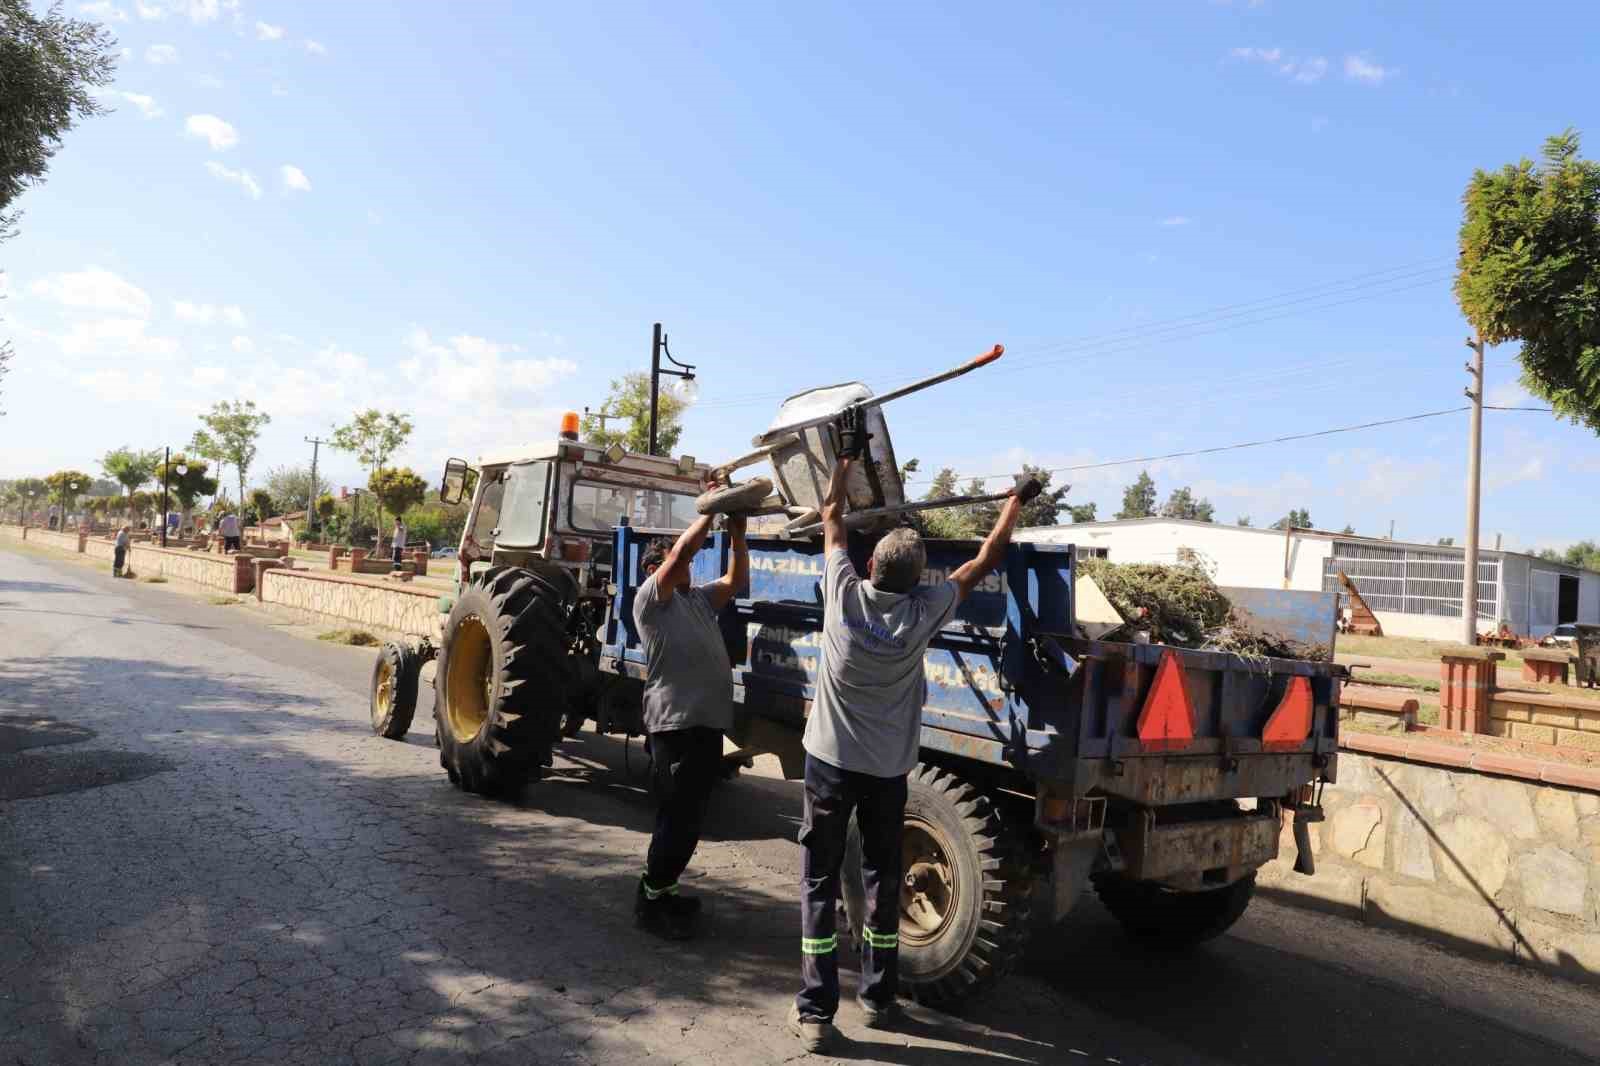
{"type": "Point", "coordinates": [1162, 776]}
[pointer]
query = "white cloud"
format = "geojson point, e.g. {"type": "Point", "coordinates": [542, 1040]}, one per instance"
{"type": "Point", "coordinates": [265, 31]}
{"type": "Point", "coordinates": [103, 9]}
{"type": "Point", "coordinates": [206, 376]}
{"type": "Point", "coordinates": [207, 81]}
{"type": "Point", "coordinates": [93, 289]}
{"type": "Point", "coordinates": [220, 134]}
{"type": "Point", "coordinates": [279, 90]}
{"type": "Point", "coordinates": [374, 217]}
{"type": "Point", "coordinates": [203, 10]}
{"type": "Point", "coordinates": [161, 54]}
{"type": "Point", "coordinates": [149, 12]}
{"type": "Point", "coordinates": [205, 314]}
{"type": "Point", "coordinates": [468, 365]}
{"type": "Point", "coordinates": [107, 338]}
{"type": "Point", "coordinates": [1359, 68]}
{"type": "Point", "coordinates": [148, 108]}
{"type": "Point", "coordinates": [241, 178]}
{"type": "Point", "coordinates": [316, 48]}
{"type": "Point", "coordinates": [242, 345]}
{"type": "Point", "coordinates": [1304, 71]}
{"type": "Point", "coordinates": [1175, 220]}
{"type": "Point", "coordinates": [294, 178]}
{"type": "Point", "coordinates": [1530, 469]}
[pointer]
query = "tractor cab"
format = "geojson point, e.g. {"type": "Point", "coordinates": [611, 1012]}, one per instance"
{"type": "Point", "coordinates": [556, 509]}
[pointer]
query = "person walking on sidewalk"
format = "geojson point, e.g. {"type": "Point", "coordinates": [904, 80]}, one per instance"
{"type": "Point", "coordinates": [397, 541]}
{"type": "Point", "coordinates": [688, 706]}
{"type": "Point", "coordinates": [228, 528]}
{"type": "Point", "coordinates": [119, 551]}
{"type": "Point", "coordinates": [861, 738]}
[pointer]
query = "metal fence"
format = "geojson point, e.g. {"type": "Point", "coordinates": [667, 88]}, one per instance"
{"type": "Point", "coordinates": [1412, 580]}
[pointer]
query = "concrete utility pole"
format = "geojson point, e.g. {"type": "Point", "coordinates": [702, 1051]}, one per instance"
{"type": "Point", "coordinates": [1469, 584]}
{"type": "Point", "coordinates": [311, 493]}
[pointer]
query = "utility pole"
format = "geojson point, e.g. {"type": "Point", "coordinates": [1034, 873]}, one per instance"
{"type": "Point", "coordinates": [1469, 583]}
{"type": "Point", "coordinates": [311, 493]}
{"type": "Point", "coordinates": [685, 372]}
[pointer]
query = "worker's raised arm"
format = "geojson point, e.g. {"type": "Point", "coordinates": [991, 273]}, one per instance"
{"type": "Point", "coordinates": [853, 438]}
{"type": "Point", "coordinates": [675, 567]}
{"type": "Point", "coordinates": [968, 574]}
{"type": "Point", "coordinates": [737, 580]}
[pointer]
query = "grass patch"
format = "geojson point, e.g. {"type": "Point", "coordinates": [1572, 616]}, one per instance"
{"type": "Point", "coordinates": [356, 638]}
{"type": "Point", "coordinates": [154, 579]}
{"type": "Point", "coordinates": [1418, 684]}
{"type": "Point", "coordinates": [1407, 648]}
{"type": "Point", "coordinates": [224, 601]}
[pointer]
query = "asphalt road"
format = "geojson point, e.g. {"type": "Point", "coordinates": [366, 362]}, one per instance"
{"type": "Point", "coordinates": [205, 856]}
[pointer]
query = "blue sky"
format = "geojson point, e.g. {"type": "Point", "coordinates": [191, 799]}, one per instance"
{"type": "Point", "coordinates": [1191, 223]}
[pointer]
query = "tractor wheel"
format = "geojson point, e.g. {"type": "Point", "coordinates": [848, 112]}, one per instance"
{"type": "Point", "coordinates": [731, 499]}
{"type": "Point", "coordinates": [501, 682]}
{"type": "Point", "coordinates": [1164, 918]}
{"type": "Point", "coordinates": [965, 889]}
{"type": "Point", "coordinates": [394, 690]}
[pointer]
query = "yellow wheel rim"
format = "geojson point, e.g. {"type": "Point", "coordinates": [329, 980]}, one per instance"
{"type": "Point", "coordinates": [930, 894]}
{"type": "Point", "coordinates": [468, 683]}
{"type": "Point", "coordinates": [383, 693]}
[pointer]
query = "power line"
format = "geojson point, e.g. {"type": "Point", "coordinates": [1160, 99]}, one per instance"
{"type": "Point", "coordinates": [1258, 443]}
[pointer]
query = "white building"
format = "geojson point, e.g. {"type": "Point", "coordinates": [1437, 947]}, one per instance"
{"type": "Point", "coordinates": [1414, 589]}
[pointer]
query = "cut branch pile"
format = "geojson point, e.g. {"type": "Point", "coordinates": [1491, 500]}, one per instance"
{"type": "Point", "coordinates": [1181, 605]}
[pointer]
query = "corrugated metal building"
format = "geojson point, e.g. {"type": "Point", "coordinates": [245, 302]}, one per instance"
{"type": "Point", "coordinates": [1414, 589]}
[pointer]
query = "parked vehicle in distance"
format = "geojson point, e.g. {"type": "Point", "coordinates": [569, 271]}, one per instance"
{"type": "Point", "coordinates": [444, 553]}
{"type": "Point", "coordinates": [1565, 635]}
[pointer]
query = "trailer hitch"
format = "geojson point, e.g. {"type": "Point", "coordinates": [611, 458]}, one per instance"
{"type": "Point", "coordinates": [1306, 804]}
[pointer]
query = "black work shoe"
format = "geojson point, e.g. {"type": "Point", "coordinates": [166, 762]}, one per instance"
{"type": "Point", "coordinates": [661, 918]}
{"type": "Point", "coordinates": [683, 906]}
{"type": "Point", "coordinates": [815, 1035]}
{"type": "Point", "coordinates": [879, 1016]}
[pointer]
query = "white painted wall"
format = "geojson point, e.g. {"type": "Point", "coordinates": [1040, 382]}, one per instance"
{"type": "Point", "coordinates": [1422, 626]}
{"type": "Point", "coordinates": [1251, 558]}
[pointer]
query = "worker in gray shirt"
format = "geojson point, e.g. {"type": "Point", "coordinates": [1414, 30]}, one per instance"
{"type": "Point", "coordinates": [862, 735]}
{"type": "Point", "coordinates": [688, 706]}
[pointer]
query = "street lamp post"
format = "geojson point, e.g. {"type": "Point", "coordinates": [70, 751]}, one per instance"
{"type": "Point", "coordinates": [166, 476]}
{"type": "Point", "coordinates": [658, 348]}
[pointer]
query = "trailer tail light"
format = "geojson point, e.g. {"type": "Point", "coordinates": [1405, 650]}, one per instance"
{"type": "Point", "coordinates": [1166, 721]}
{"type": "Point", "coordinates": [1290, 724]}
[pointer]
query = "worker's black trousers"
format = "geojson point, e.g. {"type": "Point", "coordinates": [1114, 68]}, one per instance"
{"type": "Point", "coordinates": [879, 804]}
{"type": "Point", "coordinates": [684, 765]}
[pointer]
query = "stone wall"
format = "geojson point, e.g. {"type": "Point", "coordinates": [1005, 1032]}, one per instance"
{"type": "Point", "coordinates": [375, 605]}
{"type": "Point", "coordinates": [231, 573]}
{"type": "Point", "coordinates": [67, 542]}
{"type": "Point", "coordinates": [1488, 862]}
{"type": "Point", "coordinates": [1541, 718]}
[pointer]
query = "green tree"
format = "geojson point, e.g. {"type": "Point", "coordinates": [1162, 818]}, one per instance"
{"type": "Point", "coordinates": [1139, 498]}
{"type": "Point", "coordinates": [50, 67]}
{"type": "Point", "coordinates": [627, 407]}
{"type": "Point", "coordinates": [186, 488]}
{"type": "Point", "coordinates": [944, 522]}
{"type": "Point", "coordinates": [1297, 518]}
{"type": "Point", "coordinates": [261, 502]}
{"type": "Point", "coordinates": [1082, 512]}
{"type": "Point", "coordinates": [66, 486]}
{"type": "Point", "coordinates": [230, 435]}
{"type": "Point", "coordinates": [1182, 504]}
{"type": "Point", "coordinates": [30, 494]}
{"type": "Point", "coordinates": [291, 487]}
{"type": "Point", "coordinates": [1529, 271]}
{"type": "Point", "coordinates": [372, 436]}
{"type": "Point", "coordinates": [326, 505]}
{"type": "Point", "coordinates": [130, 468]}
{"type": "Point", "coordinates": [1242, 520]}
{"type": "Point", "coordinates": [1444, 542]}
{"type": "Point", "coordinates": [1585, 553]}
{"type": "Point", "coordinates": [397, 489]}
{"type": "Point", "coordinates": [1045, 508]}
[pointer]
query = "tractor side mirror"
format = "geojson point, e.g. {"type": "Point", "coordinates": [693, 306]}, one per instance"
{"type": "Point", "coordinates": [454, 486]}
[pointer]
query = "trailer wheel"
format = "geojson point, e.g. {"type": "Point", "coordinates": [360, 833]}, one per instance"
{"type": "Point", "coordinates": [502, 682]}
{"type": "Point", "coordinates": [1164, 918]}
{"type": "Point", "coordinates": [964, 898]}
{"type": "Point", "coordinates": [394, 690]}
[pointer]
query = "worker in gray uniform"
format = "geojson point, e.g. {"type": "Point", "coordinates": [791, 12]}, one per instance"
{"type": "Point", "coordinates": [688, 706]}
{"type": "Point", "coordinates": [862, 736]}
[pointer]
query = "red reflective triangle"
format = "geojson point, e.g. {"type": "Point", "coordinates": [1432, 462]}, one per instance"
{"type": "Point", "coordinates": [1166, 722]}
{"type": "Point", "coordinates": [1290, 724]}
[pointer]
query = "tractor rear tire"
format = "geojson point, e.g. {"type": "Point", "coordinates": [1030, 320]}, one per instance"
{"type": "Point", "coordinates": [732, 499]}
{"type": "Point", "coordinates": [964, 929]}
{"type": "Point", "coordinates": [502, 681]}
{"type": "Point", "coordinates": [1163, 918]}
{"type": "Point", "coordinates": [394, 690]}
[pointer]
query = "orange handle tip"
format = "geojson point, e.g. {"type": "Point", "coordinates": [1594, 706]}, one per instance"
{"type": "Point", "coordinates": [990, 356]}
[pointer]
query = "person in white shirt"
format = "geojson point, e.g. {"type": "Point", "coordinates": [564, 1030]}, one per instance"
{"type": "Point", "coordinates": [397, 540]}
{"type": "Point", "coordinates": [229, 528]}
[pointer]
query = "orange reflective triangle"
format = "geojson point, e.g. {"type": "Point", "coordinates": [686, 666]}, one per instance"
{"type": "Point", "coordinates": [1290, 724]}
{"type": "Point", "coordinates": [1166, 722]}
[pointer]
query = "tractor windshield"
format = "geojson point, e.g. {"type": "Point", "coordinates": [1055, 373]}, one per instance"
{"type": "Point", "coordinates": [596, 507]}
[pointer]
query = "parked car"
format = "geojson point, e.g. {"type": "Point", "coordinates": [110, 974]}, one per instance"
{"type": "Point", "coordinates": [445, 553]}
{"type": "Point", "coordinates": [1565, 635]}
